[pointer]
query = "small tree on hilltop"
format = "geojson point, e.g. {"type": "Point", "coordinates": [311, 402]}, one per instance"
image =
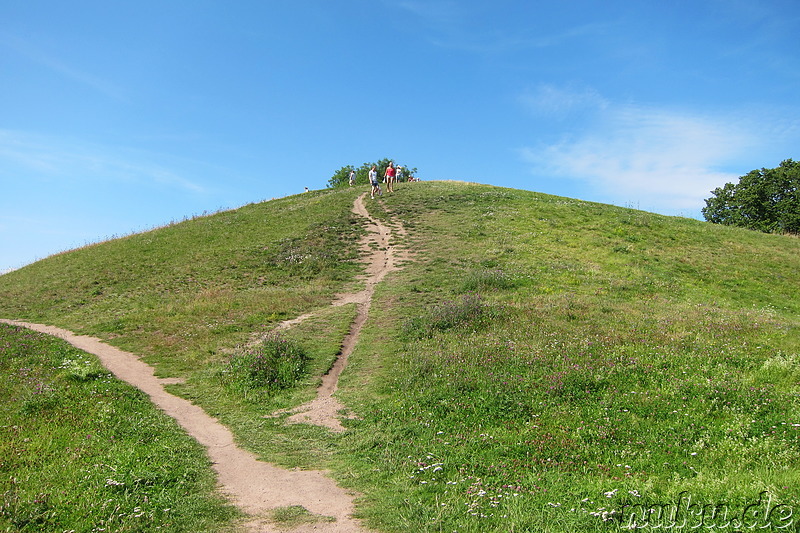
{"type": "Point", "coordinates": [341, 178]}
{"type": "Point", "coordinates": [766, 200]}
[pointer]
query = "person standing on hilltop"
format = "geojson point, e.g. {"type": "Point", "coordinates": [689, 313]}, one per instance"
{"type": "Point", "coordinates": [389, 178]}
{"type": "Point", "coordinates": [399, 174]}
{"type": "Point", "coordinates": [352, 177]}
{"type": "Point", "coordinates": [373, 180]}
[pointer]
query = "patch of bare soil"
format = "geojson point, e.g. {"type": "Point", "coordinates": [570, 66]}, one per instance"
{"type": "Point", "coordinates": [255, 486]}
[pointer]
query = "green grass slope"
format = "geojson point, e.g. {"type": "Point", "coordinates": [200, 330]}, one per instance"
{"type": "Point", "coordinates": [544, 364]}
{"type": "Point", "coordinates": [556, 365]}
{"type": "Point", "coordinates": [180, 293]}
{"type": "Point", "coordinates": [82, 451]}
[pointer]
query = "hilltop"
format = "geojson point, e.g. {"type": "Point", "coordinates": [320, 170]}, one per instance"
{"type": "Point", "coordinates": [539, 363]}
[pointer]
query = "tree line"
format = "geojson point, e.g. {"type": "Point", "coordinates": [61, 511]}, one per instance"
{"type": "Point", "coordinates": [765, 200]}
{"type": "Point", "coordinates": [341, 177]}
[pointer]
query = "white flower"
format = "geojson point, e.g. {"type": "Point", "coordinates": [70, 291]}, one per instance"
{"type": "Point", "coordinates": [611, 493]}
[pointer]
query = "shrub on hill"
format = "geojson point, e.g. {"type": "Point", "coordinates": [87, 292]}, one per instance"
{"type": "Point", "coordinates": [274, 364]}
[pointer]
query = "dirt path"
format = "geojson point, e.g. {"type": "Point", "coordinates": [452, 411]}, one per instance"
{"type": "Point", "coordinates": [381, 258]}
{"type": "Point", "coordinates": [255, 486]}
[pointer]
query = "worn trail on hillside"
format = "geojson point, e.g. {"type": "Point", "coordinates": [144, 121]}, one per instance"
{"type": "Point", "coordinates": [256, 486]}
{"type": "Point", "coordinates": [382, 257]}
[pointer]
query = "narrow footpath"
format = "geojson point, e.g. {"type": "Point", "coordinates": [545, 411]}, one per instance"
{"type": "Point", "coordinates": [381, 257]}
{"type": "Point", "coordinates": [256, 486]}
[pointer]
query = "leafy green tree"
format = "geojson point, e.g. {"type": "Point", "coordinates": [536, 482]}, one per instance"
{"type": "Point", "coordinates": [341, 177]}
{"type": "Point", "coordinates": [766, 200]}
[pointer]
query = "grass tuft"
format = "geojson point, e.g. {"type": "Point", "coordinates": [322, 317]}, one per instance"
{"type": "Point", "coordinates": [467, 312]}
{"type": "Point", "coordinates": [275, 363]}
{"type": "Point", "coordinates": [294, 516]}
{"type": "Point", "coordinates": [485, 280]}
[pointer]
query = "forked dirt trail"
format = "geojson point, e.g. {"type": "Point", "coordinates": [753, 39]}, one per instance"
{"type": "Point", "coordinates": [381, 258]}
{"type": "Point", "coordinates": [255, 486]}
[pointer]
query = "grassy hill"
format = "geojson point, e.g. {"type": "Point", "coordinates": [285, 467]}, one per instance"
{"type": "Point", "coordinates": [543, 363]}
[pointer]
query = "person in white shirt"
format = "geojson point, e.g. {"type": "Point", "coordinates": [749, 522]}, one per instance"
{"type": "Point", "coordinates": [373, 180]}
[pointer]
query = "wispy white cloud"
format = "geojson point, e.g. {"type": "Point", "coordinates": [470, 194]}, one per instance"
{"type": "Point", "coordinates": [61, 67]}
{"type": "Point", "coordinates": [663, 159]}
{"type": "Point", "coordinates": [439, 11]}
{"type": "Point", "coordinates": [46, 159]}
{"type": "Point", "coordinates": [87, 79]}
{"type": "Point", "coordinates": [553, 101]}
{"type": "Point", "coordinates": [590, 30]}
{"type": "Point", "coordinates": [464, 27]}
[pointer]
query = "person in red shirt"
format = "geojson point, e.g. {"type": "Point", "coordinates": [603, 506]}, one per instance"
{"type": "Point", "coordinates": [389, 178]}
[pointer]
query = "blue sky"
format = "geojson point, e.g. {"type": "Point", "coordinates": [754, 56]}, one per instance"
{"type": "Point", "coordinates": [117, 117]}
